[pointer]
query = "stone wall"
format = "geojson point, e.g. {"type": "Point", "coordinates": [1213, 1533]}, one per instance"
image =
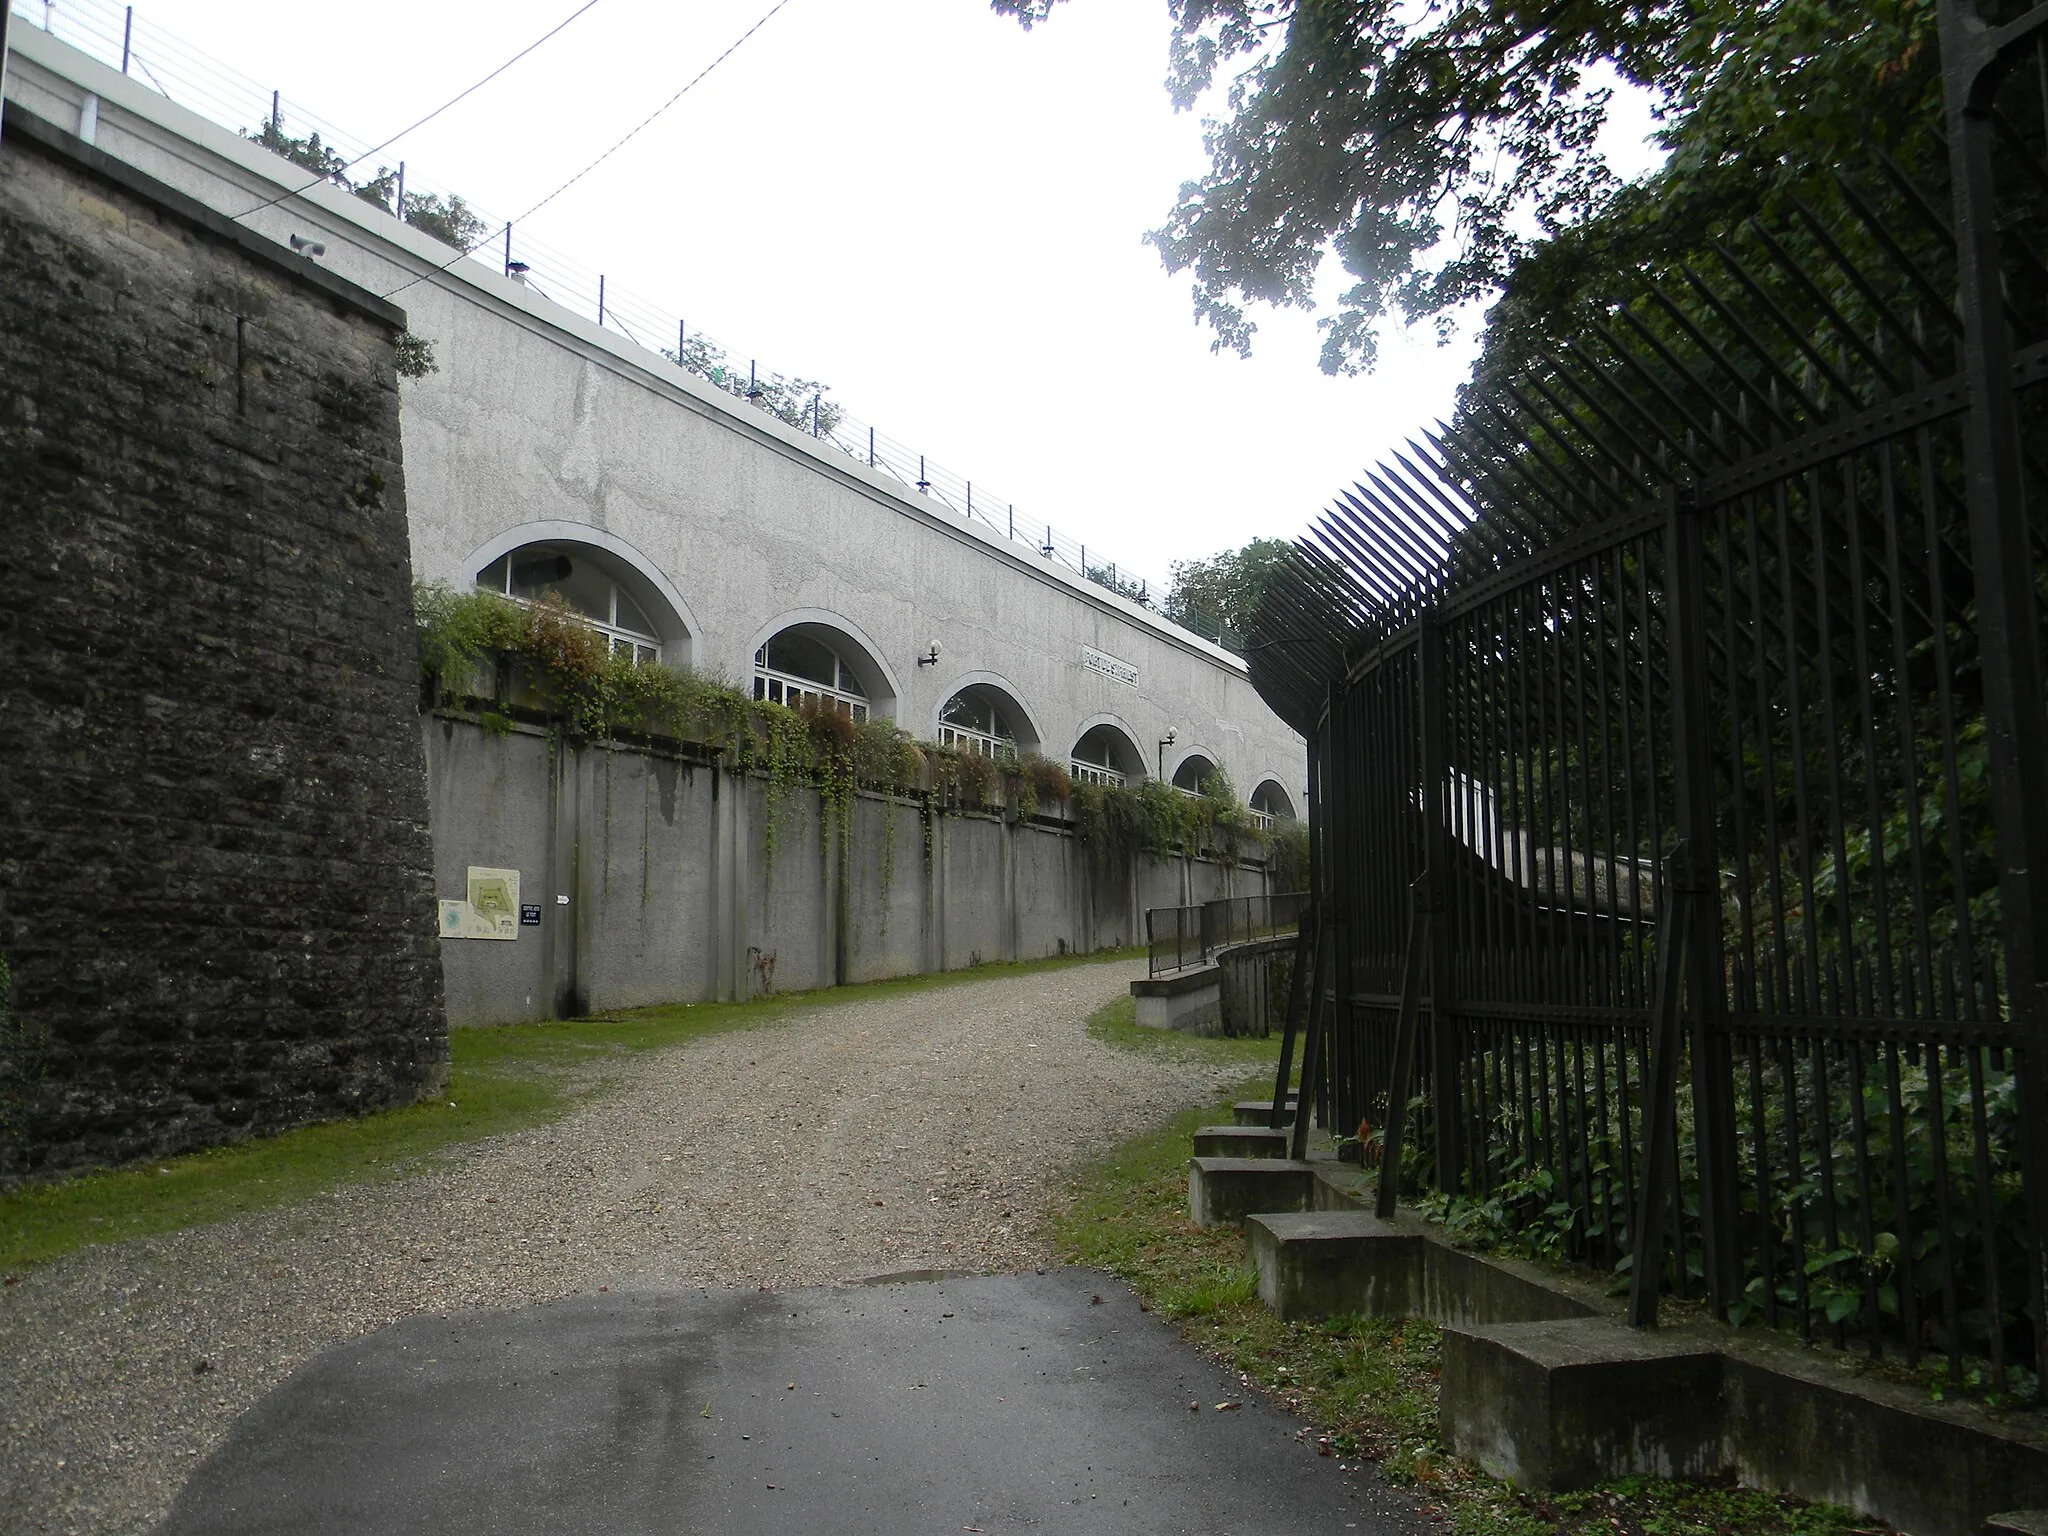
{"type": "Point", "coordinates": [651, 879]}
{"type": "Point", "coordinates": [214, 887]}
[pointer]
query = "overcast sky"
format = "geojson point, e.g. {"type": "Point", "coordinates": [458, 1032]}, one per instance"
{"type": "Point", "coordinates": [935, 212]}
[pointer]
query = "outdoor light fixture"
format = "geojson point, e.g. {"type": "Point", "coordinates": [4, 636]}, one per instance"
{"type": "Point", "coordinates": [307, 247]}
{"type": "Point", "coordinates": [931, 656]}
{"type": "Point", "coordinates": [1166, 741]}
{"type": "Point", "coordinates": [517, 270]}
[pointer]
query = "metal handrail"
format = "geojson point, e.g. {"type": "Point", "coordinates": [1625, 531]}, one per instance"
{"type": "Point", "coordinates": [1176, 937]}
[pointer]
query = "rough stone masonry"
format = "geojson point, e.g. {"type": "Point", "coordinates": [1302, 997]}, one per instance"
{"type": "Point", "coordinates": [215, 895]}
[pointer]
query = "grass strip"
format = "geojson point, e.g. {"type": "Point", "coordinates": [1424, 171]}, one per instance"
{"type": "Point", "coordinates": [499, 1079]}
{"type": "Point", "coordinates": [1367, 1388]}
{"type": "Point", "coordinates": [1116, 1023]}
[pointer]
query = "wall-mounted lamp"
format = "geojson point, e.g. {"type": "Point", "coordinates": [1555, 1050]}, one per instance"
{"type": "Point", "coordinates": [1166, 741]}
{"type": "Point", "coordinates": [931, 656]}
{"type": "Point", "coordinates": [307, 247]}
{"type": "Point", "coordinates": [517, 270]}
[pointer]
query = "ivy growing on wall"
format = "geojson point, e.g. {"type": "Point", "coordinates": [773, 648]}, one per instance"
{"type": "Point", "coordinates": [590, 694]}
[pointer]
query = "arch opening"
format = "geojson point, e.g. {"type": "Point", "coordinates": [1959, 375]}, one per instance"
{"type": "Point", "coordinates": [815, 665]}
{"type": "Point", "coordinates": [1193, 772]}
{"type": "Point", "coordinates": [985, 720]}
{"type": "Point", "coordinates": [605, 594]}
{"type": "Point", "coordinates": [1105, 755]}
{"type": "Point", "coordinates": [1270, 803]}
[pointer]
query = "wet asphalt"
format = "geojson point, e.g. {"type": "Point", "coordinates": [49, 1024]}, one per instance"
{"type": "Point", "coordinates": [993, 1404]}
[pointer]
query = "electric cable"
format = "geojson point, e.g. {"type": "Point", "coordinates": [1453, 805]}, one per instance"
{"type": "Point", "coordinates": [695, 80]}
{"type": "Point", "coordinates": [588, 5]}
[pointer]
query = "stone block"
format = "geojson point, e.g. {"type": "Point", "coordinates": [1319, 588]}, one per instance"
{"type": "Point", "coordinates": [2017, 1522]}
{"type": "Point", "coordinates": [1557, 1405]}
{"type": "Point", "coordinates": [1259, 1111]}
{"type": "Point", "coordinates": [1803, 1423]}
{"type": "Point", "coordinates": [1316, 1264]}
{"type": "Point", "coordinates": [1240, 1141]}
{"type": "Point", "coordinates": [1189, 1000]}
{"type": "Point", "coordinates": [1460, 1287]}
{"type": "Point", "coordinates": [1222, 1191]}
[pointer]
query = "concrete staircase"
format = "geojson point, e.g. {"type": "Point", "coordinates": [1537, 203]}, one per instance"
{"type": "Point", "coordinates": [1544, 1383]}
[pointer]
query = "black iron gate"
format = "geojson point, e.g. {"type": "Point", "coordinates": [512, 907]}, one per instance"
{"type": "Point", "coordinates": [1681, 761]}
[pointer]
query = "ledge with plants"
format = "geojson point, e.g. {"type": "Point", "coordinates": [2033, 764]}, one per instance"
{"type": "Point", "coordinates": [506, 662]}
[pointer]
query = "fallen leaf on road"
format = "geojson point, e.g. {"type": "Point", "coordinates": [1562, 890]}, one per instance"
{"type": "Point", "coordinates": [1226, 1407]}
{"type": "Point", "coordinates": [704, 1412]}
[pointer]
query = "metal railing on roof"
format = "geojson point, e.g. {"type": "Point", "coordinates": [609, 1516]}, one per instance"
{"type": "Point", "coordinates": [123, 39]}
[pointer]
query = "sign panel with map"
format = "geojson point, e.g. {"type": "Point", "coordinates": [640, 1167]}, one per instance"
{"type": "Point", "coordinates": [491, 910]}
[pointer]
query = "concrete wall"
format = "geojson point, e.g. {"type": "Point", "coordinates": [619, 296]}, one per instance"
{"type": "Point", "coordinates": [541, 425]}
{"type": "Point", "coordinates": [673, 895]}
{"type": "Point", "coordinates": [214, 892]}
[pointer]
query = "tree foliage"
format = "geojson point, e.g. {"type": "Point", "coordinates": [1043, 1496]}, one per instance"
{"type": "Point", "coordinates": [448, 219]}
{"type": "Point", "coordinates": [798, 403]}
{"type": "Point", "coordinates": [1434, 149]}
{"type": "Point", "coordinates": [1226, 588]}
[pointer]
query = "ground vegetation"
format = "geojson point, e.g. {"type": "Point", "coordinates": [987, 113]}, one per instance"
{"type": "Point", "coordinates": [1366, 1389]}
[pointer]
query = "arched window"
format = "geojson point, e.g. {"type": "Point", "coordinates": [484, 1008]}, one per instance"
{"type": "Point", "coordinates": [798, 667]}
{"type": "Point", "coordinates": [585, 583]}
{"type": "Point", "coordinates": [1193, 771]}
{"type": "Point", "coordinates": [1104, 755]}
{"type": "Point", "coordinates": [974, 720]}
{"type": "Point", "coordinates": [1270, 803]}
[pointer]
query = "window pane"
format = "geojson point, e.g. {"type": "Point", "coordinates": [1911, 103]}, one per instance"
{"type": "Point", "coordinates": [630, 616]}
{"type": "Point", "coordinates": [976, 714]}
{"type": "Point", "coordinates": [801, 656]}
{"type": "Point", "coordinates": [1096, 747]}
{"type": "Point", "coordinates": [492, 577]}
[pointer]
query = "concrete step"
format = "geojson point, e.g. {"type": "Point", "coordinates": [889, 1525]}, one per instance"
{"type": "Point", "coordinates": [1316, 1264]}
{"type": "Point", "coordinates": [1222, 1191]}
{"type": "Point", "coordinates": [1569, 1404]}
{"type": "Point", "coordinates": [1259, 1111]}
{"type": "Point", "coordinates": [1240, 1141]}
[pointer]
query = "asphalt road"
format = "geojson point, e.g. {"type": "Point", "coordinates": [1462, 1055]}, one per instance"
{"type": "Point", "coordinates": [994, 1404]}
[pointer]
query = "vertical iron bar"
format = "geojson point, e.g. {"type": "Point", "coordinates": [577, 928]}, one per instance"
{"type": "Point", "coordinates": [1432, 701]}
{"type": "Point", "coordinates": [1660, 1095]}
{"type": "Point", "coordinates": [2003, 557]}
{"type": "Point", "coordinates": [1693, 782]}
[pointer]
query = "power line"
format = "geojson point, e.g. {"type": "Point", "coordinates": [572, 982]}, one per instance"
{"type": "Point", "coordinates": [452, 101]}
{"type": "Point", "coordinates": [695, 80]}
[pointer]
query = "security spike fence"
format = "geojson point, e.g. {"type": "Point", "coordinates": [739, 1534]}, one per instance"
{"type": "Point", "coordinates": [123, 38]}
{"type": "Point", "coordinates": [1678, 729]}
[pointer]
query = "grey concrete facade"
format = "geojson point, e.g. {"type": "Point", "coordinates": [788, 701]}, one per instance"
{"type": "Point", "coordinates": [728, 525]}
{"type": "Point", "coordinates": [655, 881]}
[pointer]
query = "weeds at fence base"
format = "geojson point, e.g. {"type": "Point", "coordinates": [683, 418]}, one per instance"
{"type": "Point", "coordinates": [1365, 1388]}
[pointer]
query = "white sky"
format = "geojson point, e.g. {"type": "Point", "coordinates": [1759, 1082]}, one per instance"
{"type": "Point", "coordinates": [933, 211]}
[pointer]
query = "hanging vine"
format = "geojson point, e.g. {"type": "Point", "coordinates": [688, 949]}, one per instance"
{"type": "Point", "coordinates": [476, 647]}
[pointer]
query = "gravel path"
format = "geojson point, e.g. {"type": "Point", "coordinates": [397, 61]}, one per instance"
{"type": "Point", "coordinates": [919, 1131]}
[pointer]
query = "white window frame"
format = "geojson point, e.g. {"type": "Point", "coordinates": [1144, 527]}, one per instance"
{"type": "Point", "coordinates": [1094, 773]}
{"type": "Point", "coordinates": [791, 691]}
{"type": "Point", "coordinates": [978, 743]}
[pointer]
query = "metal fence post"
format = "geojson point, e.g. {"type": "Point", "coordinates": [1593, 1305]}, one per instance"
{"type": "Point", "coordinates": [1433, 706]}
{"type": "Point", "coordinates": [1658, 1176]}
{"type": "Point", "coordinates": [1713, 1103]}
{"type": "Point", "coordinates": [1975, 59]}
